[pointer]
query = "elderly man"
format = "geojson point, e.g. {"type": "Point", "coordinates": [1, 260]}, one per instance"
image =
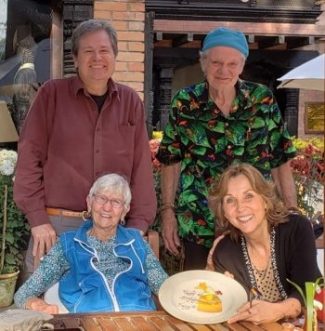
{"type": "Point", "coordinates": [211, 125]}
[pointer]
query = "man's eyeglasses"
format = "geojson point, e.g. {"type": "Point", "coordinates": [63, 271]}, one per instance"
{"type": "Point", "coordinates": [102, 200]}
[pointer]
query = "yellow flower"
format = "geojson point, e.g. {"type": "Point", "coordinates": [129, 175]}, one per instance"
{"type": "Point", "coordinates": [157, 135]}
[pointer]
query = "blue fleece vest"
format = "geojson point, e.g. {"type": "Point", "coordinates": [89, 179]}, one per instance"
{"type": "Point", "coordinates": [85, 289]}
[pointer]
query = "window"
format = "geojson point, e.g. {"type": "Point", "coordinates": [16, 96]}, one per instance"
{"type": "Point", "coordinates": [25, 52]}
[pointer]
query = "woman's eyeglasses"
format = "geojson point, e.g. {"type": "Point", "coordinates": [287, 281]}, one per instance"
{"type": "Point", "coordinates": [102, 200]}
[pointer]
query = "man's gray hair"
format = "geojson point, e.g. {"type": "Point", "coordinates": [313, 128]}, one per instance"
{"type": "Point", "coordinates": [203, 59]}
{"type": "Point", "coordinates": [112, 183]}
{"type": "Point", "coordinates": [93, 25]}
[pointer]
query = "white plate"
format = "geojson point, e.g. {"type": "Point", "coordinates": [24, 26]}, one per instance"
{"type": "Point", "coordinates": [178, 296]}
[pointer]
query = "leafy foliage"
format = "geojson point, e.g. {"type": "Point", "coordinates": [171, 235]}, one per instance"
{"type": "Point", "coordinates": [17, 229]}
{"type": "Point", "coordinates": [309, 301]}
{"type": "Point", "coordinates": [154, 146]}
{"type": "Point", "coordinates": [309, 174]}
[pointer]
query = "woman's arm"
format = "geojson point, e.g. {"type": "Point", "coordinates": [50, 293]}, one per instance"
{"type": "Point", "coordinates": [156, 274]}
{"type": "Point", "coordinates": [50, 270]}
{"type": "Point", "coordinates": [300, 263]}
{"type": "Point", "coordinates": [39, 304]}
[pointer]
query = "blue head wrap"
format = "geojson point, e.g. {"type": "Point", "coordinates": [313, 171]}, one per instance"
{"type": "Point", "coordinates": [226, 37]}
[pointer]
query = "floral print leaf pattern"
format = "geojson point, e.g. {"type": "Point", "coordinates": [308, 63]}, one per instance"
{"type": "Point", "coordinates": [205, 142]}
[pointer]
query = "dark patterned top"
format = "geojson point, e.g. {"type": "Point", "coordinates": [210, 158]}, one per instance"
{"type": "Point", "coordinates": [205, 142]}
{"type": "Point", "coordinates": [268, 281]}
{"type": "Point", "coordinates": [266, 284]}
{"type": "Point", "coordinates": [293, 257]}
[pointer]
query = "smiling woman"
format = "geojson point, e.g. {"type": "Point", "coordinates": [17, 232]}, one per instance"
{"type": "Point", "coordinates": [266, 246]}
{"type": "Point", "coordinates": [102, 266]}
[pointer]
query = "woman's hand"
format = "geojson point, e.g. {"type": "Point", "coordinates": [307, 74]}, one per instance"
{"type": "Point", "coordinates": [265, 312]}
{"type": "Point", "coordinates": [39, 304]}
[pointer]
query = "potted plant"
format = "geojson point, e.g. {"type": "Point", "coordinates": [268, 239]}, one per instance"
{"type": "Point", "coordinates": [310, 303]}
{"type": "Point", "coordinates": [13, 230]}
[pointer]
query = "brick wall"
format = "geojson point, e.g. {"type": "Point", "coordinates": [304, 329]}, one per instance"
{"type": "Point", "coordinates": [128, 17]}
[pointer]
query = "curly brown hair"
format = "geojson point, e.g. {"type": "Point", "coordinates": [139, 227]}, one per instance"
{"type": "Point", "coordinates": [276, 212]}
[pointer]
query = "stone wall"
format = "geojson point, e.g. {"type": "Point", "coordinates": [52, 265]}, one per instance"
{"type": "Point", "coordinates": [128, 17]}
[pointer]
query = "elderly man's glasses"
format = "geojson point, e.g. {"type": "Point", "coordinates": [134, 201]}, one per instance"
{"type": "Point", "coordinates": [103, 200]}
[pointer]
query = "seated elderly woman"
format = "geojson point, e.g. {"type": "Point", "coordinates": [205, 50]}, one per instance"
{"type": "Point", "coordinates": [102, 266]}
{"type": "Point", "coordinates": [265, 245]}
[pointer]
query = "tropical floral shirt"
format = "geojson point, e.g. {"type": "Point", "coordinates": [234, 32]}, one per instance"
{"type": "Point", "coordinates": [205, 142]}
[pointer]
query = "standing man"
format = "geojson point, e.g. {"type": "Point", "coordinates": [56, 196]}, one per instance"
{"type": "Point", "coordinates": [211, 125]}
{"type": "Point", "coordinates": [78, 129]}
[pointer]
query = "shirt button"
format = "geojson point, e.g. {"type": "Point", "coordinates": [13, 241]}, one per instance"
{"type": "Point", "coordinates": [226, 125]}
{"type": "Point", "coordinates": [97, 151]}
{"type": "Point", "coordinates": [229, 146]}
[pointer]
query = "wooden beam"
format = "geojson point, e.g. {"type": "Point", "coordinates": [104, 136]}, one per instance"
{"type": "Point", "coordinates": [163, 43]}
{"type": "Point", "coordinates": [253, 45]}
{"type": "Point", "coordinates": [193, 44]}
{"type": "Point", "coordinates": [278, 47]}
{"type": "Point", "coordinates": [264, 28]}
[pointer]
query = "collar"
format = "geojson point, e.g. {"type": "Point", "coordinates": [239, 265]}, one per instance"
{"type": "Point", "coordinates": [242, 99]}
{"type": "Point", "coordinates": [79, 87]}
{"type": "Point", "coordinates": [123, 235]}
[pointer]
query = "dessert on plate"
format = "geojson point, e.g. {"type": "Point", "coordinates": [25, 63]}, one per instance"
{"type": "Point", "coordinates": [208, 300]}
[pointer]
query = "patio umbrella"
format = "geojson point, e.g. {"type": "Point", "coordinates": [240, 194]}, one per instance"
{"type": "Point", "coordinates": [309, 75]}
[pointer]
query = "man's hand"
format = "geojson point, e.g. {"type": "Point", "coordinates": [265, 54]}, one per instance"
{"type": "Point", "coordinates": [169, 184]}
{"type": "Point", "coordinates": [210, 265]}
{"type": "Point", "coordinates": [283, 179]}
{"type": "Point", "coordinates": [44, 237]}
{"type": "Point", "coordinates": [170, 232]}
{"type": "Point", "coordinates": [39, 304]}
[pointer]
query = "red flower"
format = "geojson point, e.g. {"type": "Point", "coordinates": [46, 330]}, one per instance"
{"type": "Point", "coordinates": [154, 147]}
{"type": "Point", "coordinates": [201, 222]}
{"type": "Point", "coordinates": [183, 123]}
{"type": "Point", "coordinates": [309, 163]}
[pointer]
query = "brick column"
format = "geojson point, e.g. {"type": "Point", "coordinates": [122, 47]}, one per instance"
{"type": "Point", "coordinates": [128, 17]}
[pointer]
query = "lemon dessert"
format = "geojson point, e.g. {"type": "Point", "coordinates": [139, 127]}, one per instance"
{"type": "Point", "coordinates": [208, 301]}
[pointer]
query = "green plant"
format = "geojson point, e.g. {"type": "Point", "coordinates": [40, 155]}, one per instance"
{"type": "Point", "coordinates": [14, 229]}
{"type": "Point", "coordinates": [309, 301]}
{"type": "Point", "coordinates": [154, 146]}
{"type": "Point", "coordinates": [309, 174]}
